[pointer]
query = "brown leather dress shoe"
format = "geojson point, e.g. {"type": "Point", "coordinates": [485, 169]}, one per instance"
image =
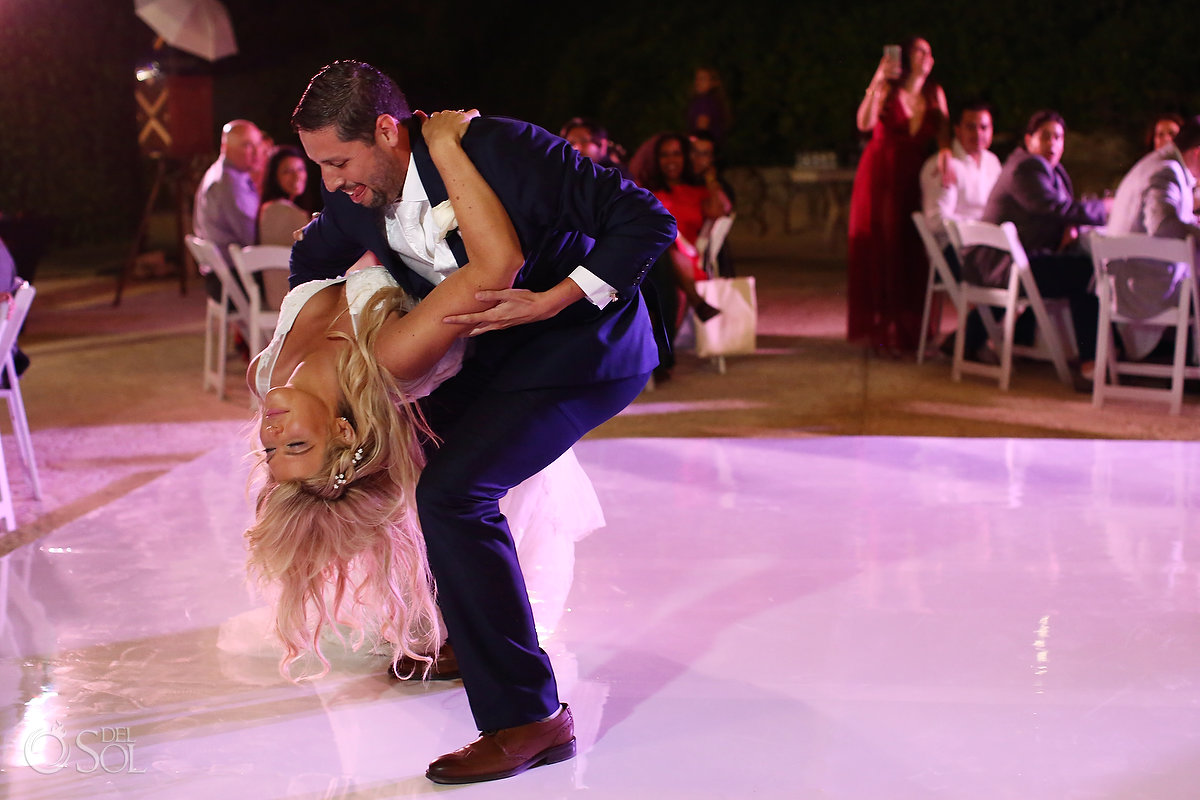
{"type": "Point", "coordinates": [445, 667]}
{"type": "Point", "coordinates": [508, 752]}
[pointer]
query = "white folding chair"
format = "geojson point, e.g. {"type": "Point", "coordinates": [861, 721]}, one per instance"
{"type": "Point", "coordinates": [709, 243]}
{"type": "Point", "coordinates": [1021, 293]}
{"type": "Point", "coordinates": [250, 262]}
{"type": "Point", "coordinates": [712, 239]}
{"type": "Point", "coordinates": [218, 316]}
{"type": "Point", "coordinates": [1181, 317]}
{"type": "Point", "coordinates": [941, 279]}
{"type": "Point", "coordinates": [12, 317]}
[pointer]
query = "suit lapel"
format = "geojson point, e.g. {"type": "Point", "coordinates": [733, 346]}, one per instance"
{"type": "Point", "coordinates": [434, 187]}
{"type": "Point", "coordinates": [1064, 181]}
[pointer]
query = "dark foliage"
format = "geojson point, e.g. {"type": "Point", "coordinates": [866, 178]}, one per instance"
{"type": "Point", "coordinates": [794, 73]}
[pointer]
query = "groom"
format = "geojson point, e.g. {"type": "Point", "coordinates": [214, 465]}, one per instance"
{"type": "Point", "coordinates": [564, 350]}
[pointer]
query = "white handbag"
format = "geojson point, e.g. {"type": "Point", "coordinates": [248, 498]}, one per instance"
{"type": "Point", "coordinates": [733, 331]}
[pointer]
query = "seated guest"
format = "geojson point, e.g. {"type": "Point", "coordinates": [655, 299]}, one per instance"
{"type": "Point", "coordinates": [226, 203]}
{"type": "Point", "coordinates": [1034, 192]}
{"type": "Point", "coordinates": [703, 157]}
{"type": "Point", "coordinates": [286, 206]}
{"type": "Point", "coordinates": [590, 139]}
{"type": "Point", "coordinates": [1155, 197]}
{"type": "Point", "coordinates": [661, 165]}
{"type": "Point", "coordinates": [974, 170]}
{"type": "Point", "coordinates": [1163, 130]}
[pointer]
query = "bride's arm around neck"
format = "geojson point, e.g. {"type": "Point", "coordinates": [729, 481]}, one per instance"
{"type": "Point", "coordinates": [409, 346]}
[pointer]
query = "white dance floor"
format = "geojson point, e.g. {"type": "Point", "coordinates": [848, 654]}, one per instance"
{"type": "Point", "coordinates": [779, 618]}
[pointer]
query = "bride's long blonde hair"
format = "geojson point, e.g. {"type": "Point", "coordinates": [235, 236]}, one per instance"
{"type": "Point", "coordinates": [344, 545]}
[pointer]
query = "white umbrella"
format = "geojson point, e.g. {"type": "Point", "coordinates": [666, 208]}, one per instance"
{"type": "Point", "coordinates": [200, 27]}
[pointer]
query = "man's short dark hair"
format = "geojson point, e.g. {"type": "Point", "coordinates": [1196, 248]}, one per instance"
{"type": "Point", "coordinates": [1189, 134]}
{"type": "Point", "coordinates": [350, 96]}
{"type": "Point", "coordinates": [1040, 118]}
{"type": "Point", "coordinates": [977, 106]}
{"type": "Point", "coordinates": [594, 129]}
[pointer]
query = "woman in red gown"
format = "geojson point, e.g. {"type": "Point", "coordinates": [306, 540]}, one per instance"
{"type": "Point", "coordinates": [887, 266]}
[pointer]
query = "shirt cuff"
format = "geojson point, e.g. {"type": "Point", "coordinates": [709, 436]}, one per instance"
{"type": "Point", "coordinates": [598, 292]}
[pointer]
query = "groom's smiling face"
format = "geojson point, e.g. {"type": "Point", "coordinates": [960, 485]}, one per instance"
{"type": "Point", "coordinates": [371, 173]}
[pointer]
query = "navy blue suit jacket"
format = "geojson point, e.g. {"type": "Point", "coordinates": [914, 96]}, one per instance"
{"type": "Point", "coordinates": [567, 212]}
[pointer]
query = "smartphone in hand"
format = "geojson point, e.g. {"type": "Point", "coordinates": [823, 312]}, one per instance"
{"type": "Point", "coordinates": [892, 53]}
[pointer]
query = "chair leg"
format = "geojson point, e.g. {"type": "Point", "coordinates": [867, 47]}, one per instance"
{"type": "Point", "coordinates": [925, 316]}
{"type": "Point", "coordinates": [210, 320]}
{"type": "Point", "coordinates": [20, 426]}
{"type": "Point", "coordinates": [1047, 330]}
{"type": "Point", "coordinates": [257, 335]}
{"type": "Point", "coordinates": [1006, 346]}
{"type": "Point", "coordinates": [5, 623]}
{"type": "Point", "coordinates": [1104, 341]}
{"type": "Point", "coordinates": [222, 356]}
{"type": "Point", "coordinates": [6, 499]}
{"type": "Point", "coordinates": [1195, 322]}
{"type": "Point", "coordinates": [1181, 337]}
{"type": "Point", "coordinates": [960, 341]}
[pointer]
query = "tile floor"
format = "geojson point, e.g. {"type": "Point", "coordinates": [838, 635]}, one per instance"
{"type": "Point", "coordinates": [779, 618]}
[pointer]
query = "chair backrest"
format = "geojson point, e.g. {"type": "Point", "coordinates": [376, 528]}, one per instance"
{"type": "Point", "coordinates": [204, 251]}
{"type": "Point", "coordinates": [1140, 253]}
{"type": "Point", "coordinates": [974, 233]}
{"type": "Point", "coordinates": [259, 257]}
{"type": "Point", "coordinates": [717, 232]}
{"type": "Point", "coordinates": [255, 259]}
{"type": "Point", "coordinates": [711, 239]}
{"type": "Point", "coordinates": [966, 234]}
{"type": "Point", "coordinates": [1140, 246]}
{"type": "Point", "coordinates": [935, 253]}
{"type": "Point", "coordinates": [11, 321]}
{"type": "Point", "coordinates": [209, 259]}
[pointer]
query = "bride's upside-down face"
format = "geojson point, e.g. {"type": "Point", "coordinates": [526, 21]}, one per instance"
{"type": "Point", "coordinates": [296, 429]}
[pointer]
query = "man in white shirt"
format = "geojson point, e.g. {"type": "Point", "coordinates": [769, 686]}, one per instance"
{"type": "Point", "coordinates": [1155, 197]}
{"type": "Point", "coordinates": [974, 169]}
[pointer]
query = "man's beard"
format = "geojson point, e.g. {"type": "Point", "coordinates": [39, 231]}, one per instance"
{"type": "Point", "coordinates": [383, 187]}
{"type": "Point", "coordinates": [375, 199]}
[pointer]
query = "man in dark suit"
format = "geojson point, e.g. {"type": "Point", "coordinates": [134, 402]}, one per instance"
{"type": "Point", "coordinates": [1034, 192]}
{"type": "Point", "coordinates": [564, 350]}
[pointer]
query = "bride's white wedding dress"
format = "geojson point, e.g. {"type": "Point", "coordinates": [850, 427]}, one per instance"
{"type": "Point", "coordinates": [547, 514]}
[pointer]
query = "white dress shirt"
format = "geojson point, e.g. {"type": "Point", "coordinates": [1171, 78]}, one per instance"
{"type": "Point", "coordinates": [966, 197]}
{"type": "Point", "coordinates": [416, 231]}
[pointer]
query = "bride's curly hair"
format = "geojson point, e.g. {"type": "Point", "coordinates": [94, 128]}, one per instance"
{"type": "Point", "coordinates": [344, 546]}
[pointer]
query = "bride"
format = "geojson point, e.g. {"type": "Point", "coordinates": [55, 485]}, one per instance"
{"type": "Point", "coordinates": [335, 526]}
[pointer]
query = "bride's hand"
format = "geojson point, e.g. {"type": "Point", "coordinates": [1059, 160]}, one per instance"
{"type": "Point", "coordinates": [445, 127]}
